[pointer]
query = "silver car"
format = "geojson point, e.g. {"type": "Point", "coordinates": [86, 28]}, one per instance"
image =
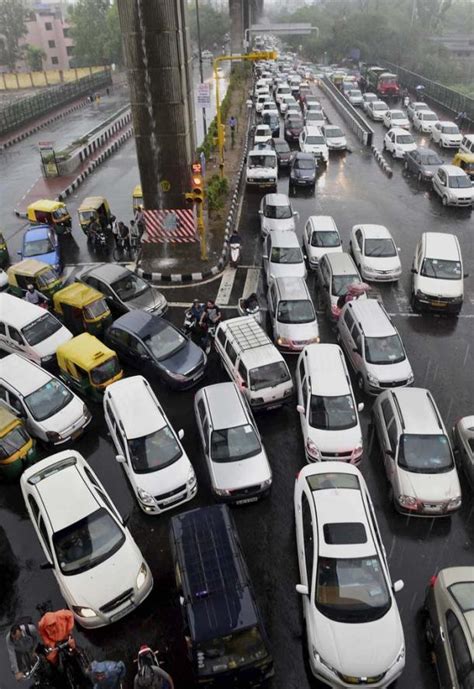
{"type": "Point", "coordinates": [463, 440]}
{"type": "Point", "coordinates": [292, 314]}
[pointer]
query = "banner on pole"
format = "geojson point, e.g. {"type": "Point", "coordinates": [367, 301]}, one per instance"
{"type": "Point", "coordinates": [204, 95]}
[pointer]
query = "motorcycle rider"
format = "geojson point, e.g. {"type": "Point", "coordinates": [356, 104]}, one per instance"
{"type": "Point", "coordinates": [21, 642]}
{"type": "Point", "coordinates": [34, 296]}
{"type": "Point", "coordinates": [107, 674]}
{"type": "Point", "coordinates": [211, 317]}
{"type": "Point", "coordinates": [196, 310]}
{"type": "Point", "coordinates": [55, 627]}
{"type": "Point", "coordinates": [152, 677]}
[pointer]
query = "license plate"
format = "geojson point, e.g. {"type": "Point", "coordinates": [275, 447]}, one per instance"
{"type": "Point", "coordinates": [274, 406]}
{"type": "Point", "coordinates": [245, 501]}
{"type": "Point", "coordinates": [76, 434]}
{"type": "Point", "coordinates": [122, 613]}
{"type": "Point", "coordinates": [439, 304]}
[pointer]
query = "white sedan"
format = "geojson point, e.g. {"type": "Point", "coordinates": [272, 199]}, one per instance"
{"type": "Point", "coordinates": [425, 120]}
{"type": "Point", "coordinates": [335, 139]}
{"type": "Point", "coordinates": [396, 118]}
{"type": "Point", "coordinates": [398, 142]}
{"type": "Point", "coordinates": [446, 134]}
{"type": "Point", "coordinates": [375, 253]}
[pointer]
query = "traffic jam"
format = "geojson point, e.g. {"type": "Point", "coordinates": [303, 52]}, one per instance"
{"type": "Point", "coordinates": [118, 407]}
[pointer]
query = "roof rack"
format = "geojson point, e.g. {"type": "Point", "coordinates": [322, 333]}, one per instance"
{"type": "Point", "coordinates": [248, 332]}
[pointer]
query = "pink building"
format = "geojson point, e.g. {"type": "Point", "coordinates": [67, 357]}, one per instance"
{"type": "Point", "coordinates": [48, 30]}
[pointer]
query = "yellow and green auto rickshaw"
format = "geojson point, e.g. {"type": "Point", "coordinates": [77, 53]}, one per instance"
{"type": "Point", "coordinates": [466, 162]}
{"type": "Point", "coordinates": [53, 213]}
{"type": "Point", "coordinates": [82, 309]}
{"type": "Point", "coordinates": [4, 257]}
{"type": "Point", "coordinates": [137, 198]}
{"type": "Point", "coordinates": [95, 208]}
{"type": "Point", "coordinates": [17, 449]}
{"type": "Point", "coordinates": [87, 365]}
{"type": "Point", "coordinates": [33, 272]}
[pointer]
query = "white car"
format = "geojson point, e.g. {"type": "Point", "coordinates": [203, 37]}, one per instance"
{"type": "Point", "coordinates": [3, 280]}
{"type": "Point", "coordinates": [446, 134]}
{"type": "Point", "coordinates": [149, 450]}
{"type": "Point", "coordinates": [376, 110]}
{"type": "Point", "coordinates": [416, 105]}
{"type": "Point", "coordinates": [285, 102]}
{"type": "Point", "coordinates": [399, 142]}
{"type": "Point", "coordinates": [334, 136]}
{"type": "Point", "coordinates": [425, 120]}
{"type": "Point", "coordinates": [396, 118]}
{"type": "Point", "coordinates": [353, 627]}
{"type": "Point", "coordinates": [454, 186]}
{"type": "Point", "coordinates": [326, 406]}
{"type": "Point", "coordinates": [315, 118]}
{"type": "Point", "coordinates": [99, 568]}
{"type": "Point", "coordinates": [262, 134]}
{"type": "Point", "coordinates": [375, 253]}
{"type": "Point", "coordinates": [51, 411]}
{"type": "Point", "coordinates": [416, 453]}
{"type": "Point", "coordinates": [282, 255]}
{"type": "Point", "coordinates": [261, 99]}
{"type": "Point", "coordinates": [269, 108]}
{"type": "Point", "coordinates": [293, 110]}
{"type": "Point", "coordinates": [276, 213]}
{"type": "Point", "coordinates": [368, 98]}
{"type": "Point", "coordinates": [320, 237]}
{"type": "Point", "coordinates": [312, 141]}
{"type": "Point", "coordinates": [355, 97]}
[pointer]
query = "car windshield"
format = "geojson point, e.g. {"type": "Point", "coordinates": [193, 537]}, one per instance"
{"type": "Point", "coordinates": [46, 277]}
{"type": "Point", "coordinates": [13, 441]}
{"type": "Point", "coordinates": [355, 94]}
{"type": "Point", "coordinates": [451, 129]}
{"type": "Point", "coordinates": [304, 164]}
{"type": "Point", "coordinates": [88, 542]}
{"type": "Point", "coordinates": [425, 454]}
{"type": "Point", "coordinates": [60, 213]}
{"type": "Point", "coordinates": [105, 371]}
{"type": "Point", "coordinates": [165, 342]}
{"type": "Point", "coordinates": [333, 133]}
{"type": "Point", "coordinates": [278, 212]}
{"type": "Point", "coordinates": [95, 309]}
{"type": "Point", "coordinates": [40, 329]}
{"type": "Point", "coordinates": [154, 451]}
{"type": "Point", "coordinates": [37, 247]}
{"type": "Point", "coordinates": [87, 215]}
{"type": "Point", "coordinates": [269, 375]}
{"type": "Point", "coordinates": [48, 400]}
{"type": "Point", "coordinates": [130, 286]}
{"type": "Point", "coordinates": [405, 139]}
{"type": "Point", "coordinates": [340, 283]}
{"type": "Point", "coordinates": [440, 269]}
{"type": "Point", "coordinates": [431, 159]}
{"type": "Point", "coordinates": [463, 594]}
{"type": "Point", "coordinates": [428, 117]}
{"type": "Point", "coordinates": [232, 444]}
{"type": "Point", "coordinates": [286, 254]}
{"type": "Point", "coordinates": [261, 161]}
{"type": "Point", "coordinates": [332, 413]}
{"type": "Point", "coordinates": [282, 147]}
{"type": "Point", "coordinates": [460, 182]}
{"type": "Point", "coordinates": [379, 106]}
{"type": "Point", "coordinates": [384, 350]}
{"type": "Point", "coordinates": [327, 239]}
{"type": "Point", "coordinates": [314, 140]}
{"type": "Point", "coordinates": [398, 115]}
{"type": "Point", "coordinates": [352, 590]}
{"type": "Point", "coordinates": [380, 248]}
{"type": "Point", "coordinates": [231, 651]}
{"type": "Point", "coordinates": [296, 311]}
{"type": "Point", "coordinates": [294, 123]}
{"type": "Point", "coordinates": [263, 131]}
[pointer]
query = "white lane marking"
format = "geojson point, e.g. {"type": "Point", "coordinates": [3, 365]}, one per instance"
{"type": "Point", "coordinates": [225, 289]}
{"type": "Point", "coordinates": [407, 314]}
{"type": "Point", "coordinates": [251, 282]}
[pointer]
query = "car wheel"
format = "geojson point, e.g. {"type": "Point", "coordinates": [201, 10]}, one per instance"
{"type": "Point", "coordinates": [445, 200]}
{"type": "Point", "coordinates": [405, 165]}
{"type": "Point", "coordinates": [384, 146]}
{"type": "Point", "coordinates": [360, 382]}
{"type": "Point", "coordinates": [420, 177]}
{"type": "Point", "coordinates": [414, 304]}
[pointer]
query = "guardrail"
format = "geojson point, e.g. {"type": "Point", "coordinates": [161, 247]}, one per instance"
{"type": "Point", "coordinates": [356, 122]}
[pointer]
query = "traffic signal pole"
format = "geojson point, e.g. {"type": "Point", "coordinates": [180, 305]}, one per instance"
{"type": "Point", "coordinates": [197, 195]}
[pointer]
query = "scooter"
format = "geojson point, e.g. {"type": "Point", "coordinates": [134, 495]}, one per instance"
{"type": "Point", "coordinates": [234, 255]}
{"type": "Point", "coordinates": [406, 102]}
{"type": "Point", "coordinates": [146, 660]}
{"type": "Point", "coordinates": [249, 306]}
{"type": "Point", "coordinates": [190, 321]}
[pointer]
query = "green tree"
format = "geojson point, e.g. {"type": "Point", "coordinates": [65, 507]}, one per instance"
{"type": "Point", "coordinates": [34, 57]}
{"type": "Point", "coordinates": [113, 44]}
{"type": "Point", "coordinates": [13, 16]}
{"type": "Point", "coordinates": [214, 25]}
{"type": "Point", "coordinates": [94, 28]}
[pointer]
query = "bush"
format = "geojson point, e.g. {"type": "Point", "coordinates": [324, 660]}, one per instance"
{"type": "Point", "coordinates": [216, 190]}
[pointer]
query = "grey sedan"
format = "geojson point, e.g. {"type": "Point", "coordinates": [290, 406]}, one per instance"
{"type": "Point", "coordinates": [423, 163]}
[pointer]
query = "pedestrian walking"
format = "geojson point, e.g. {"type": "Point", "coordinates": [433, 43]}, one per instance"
{"type": "Point", "coordinates": [461, 116]}
{"type": "Point", "coordinates": [135, 235]}
{"type": "Point", "coordinates": [233, 128]}
{"type": "Point", "coordinates": [21, 642]}
{"type": "Point", "coordinates": [115, 231]}
{"type": "Point", "coordinates": [124, 235]}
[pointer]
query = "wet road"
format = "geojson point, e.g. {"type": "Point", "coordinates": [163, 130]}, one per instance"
{"type": "Point", "coordinates": [354, 190]}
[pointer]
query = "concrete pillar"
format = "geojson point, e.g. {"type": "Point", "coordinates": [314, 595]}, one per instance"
{"type": "Point", "coordinates": [158, 60]}
{"type": "Point", "coordinates": [236, 26]}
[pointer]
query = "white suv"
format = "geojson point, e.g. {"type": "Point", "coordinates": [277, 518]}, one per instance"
{"type": "Point", "coordinates": [312, 141]}
{"type": "Point", "coordinates": [354, 632]}
{"type": "Point", "coordinates": [276, 213]}
{"type": "Point", "coordinates": [438, 277]}
{"type": "Point", "coordinates": [416, 453]}
{"type": "Point", "coordinates": [326, 405]}
{"type": "Point", "coordinates": [447, 135]}
{"type": "Point", "coordinates": [454, 186]}
{"type": "Point", "coordinates": [99, 568]}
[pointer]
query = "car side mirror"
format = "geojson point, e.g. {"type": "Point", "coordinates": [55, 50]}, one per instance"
{"type": "Point", "coordinates": [398, 585]}
{"type": "Point", "coordinates": [47, 565]}
{"type": "Point", "coordinates": [466, 275]}
{"type": "Point", "coordinates": [398, 249]}
{"type": "Point", "coordinates": [390, 453]}
{"type": "Point", "coordinates": [180, 434]}
{"type": "Point", "coordinates": [300, 409]}
{"type": "Point", "coordinates": [264, 255]}
{"type": "Point", "coordinates": [414, 271]}
{"type": "Point", "coordinates": [120, 459]}
{"type": "Point", "coordinates": [360, 406]}
{"type": "Point", "coordinates": [260, 212]}
{"type": "Point", "coordinates": [302, 589]}
{"type": "Point", "coordinates": [356, 350]}
{"type": "Point", "coordinates": [296, 214]}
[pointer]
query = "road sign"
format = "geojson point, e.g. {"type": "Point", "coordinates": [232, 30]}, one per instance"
{"type": "Point", "coordinates": [204, 95]}
{"type": "Point", "coordinates": [299, 29]}
{"type": "Point", "coordinates": [165, 185]}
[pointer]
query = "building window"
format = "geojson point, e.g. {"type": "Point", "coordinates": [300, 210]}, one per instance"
{"type": "Point", "coordinates": [70, 50]}
{"type": "Point", "coordinates": [52, 44]}
{"type": "Point", "coordinates": [66, 33]}
{"type": "Point", "coordinates": [48, 26]}
{"type": "Point", "coordinates": [54, 61]}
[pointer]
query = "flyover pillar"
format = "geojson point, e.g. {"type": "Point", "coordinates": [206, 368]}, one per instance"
{"type": "Point", "coordinates": [158, 61]}
{"type": "Point", "coordinates": [236, 12]}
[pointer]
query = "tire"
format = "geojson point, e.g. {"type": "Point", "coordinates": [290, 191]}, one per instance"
{"type": "Point", "coordinates": [420, 177]}
{"type": "Point", "coordinates": [444, 201]}
{"type": "Point", "coordinates": [405, 165]}
{"type": "Point", "coordinates": [360, 382]}
{"type": "Point", "coordinates": [414, 304]}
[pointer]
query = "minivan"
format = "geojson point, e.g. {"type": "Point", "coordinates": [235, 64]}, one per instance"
{"type": "Point", "coordinates": [292, 314]}
{"type": "Point", "coordinates": [253, 362]}
{"type": "Point", "coordinates": [226, 639]}
{"type": "Point", "coordinates": [320, 237]}
{"type": "Point", "coordinates": [373, 346]}
{"type": "Point", "coordinates": [467, 144]}
{"type": "Point", "coordinates": [30, 330]}
{"type": "Point", "coordinates": [235, 457]}
{"type": "Point", "coordinates": [262, 169]}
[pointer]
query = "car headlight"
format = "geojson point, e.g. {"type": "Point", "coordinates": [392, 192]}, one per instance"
{"type": "Point", "coordinates": [192, 480]}
{"type": "Point", "coordinates": [411, 378]}
{"type": "Point", "coordinates": [372, 379]}
{"type": "Point", "coordinates": [145, 497]}
{"type": "Point", "coordinates": [267, 483]}
{"type": "Point", "coordinates": [369, 269]}
{"type": "Point", "coordinates": [312, 449]}
{"type": "Point", "coordinates": [357, 451]}
{"type": "Point", "coordinates": [454, 503]}
{"type": "Point", "coordinates": [428, 173]}
{"type": "Point", "coordinates": [420, 294]}
{"type": "Point", "coordinates": [142, 575]}
{"type": "Point", "coordinates": [175, 376]}
{"type": "Point", "coordinates": [222, 492]}
{"type": "Point", "coordinates": [83, 612]}
{"type": "Point", "coordinates": [283, 341]}
{"type": "Point", "coordinates": [52, 436]}
{"type": "Point", "coordinates": [408, 501]}
{"type": "Point", "coordinates": [399, 657]}
{"type": "Point", "coordinates": [321, 660]}
{"type": "Point", "coordinates": [47, 359]}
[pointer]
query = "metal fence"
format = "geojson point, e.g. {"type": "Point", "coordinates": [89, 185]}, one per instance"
{"type": "Point", "coordinates": [356, 122]}
{"type": "Point", "coordinates": [22, 111]}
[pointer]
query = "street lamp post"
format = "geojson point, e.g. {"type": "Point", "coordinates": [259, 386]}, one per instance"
{"type": "Point", "coordinates": [201, 72]}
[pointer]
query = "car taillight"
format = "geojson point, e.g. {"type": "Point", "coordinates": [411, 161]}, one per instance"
{"type": "Point", "coordinates": [433, 580]}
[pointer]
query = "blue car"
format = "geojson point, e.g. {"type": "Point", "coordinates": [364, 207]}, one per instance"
{"type": "Point", "coordinates": [41, 242]}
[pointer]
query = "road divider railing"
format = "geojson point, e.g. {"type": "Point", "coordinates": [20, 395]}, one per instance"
{"type": "Point", "coordinates": [381, 161]}
{"type": "Point", "coordinates": [349, 114]}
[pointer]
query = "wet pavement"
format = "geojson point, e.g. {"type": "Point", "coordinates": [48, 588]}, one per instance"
{"type": "Point", "coordinates": [354, 190]}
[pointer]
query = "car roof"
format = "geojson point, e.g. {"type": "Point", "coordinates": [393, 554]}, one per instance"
{"type": "Point", "coordinates": [18, 312]}
{"type": "Point", "coordinates": [419, 414]}
{"type": "Point", "coordinates": [284, 238]}
{"type": "Point", "coordinates": [453, 170]}
{"type": "Point", "coordinates": [322, 223]}
{"type": "Point", "coordinates": [325, 127]}
{"type": "Point", "coordinates": [136, 406]}
{"type": "Point", "coordinates": [277, 200]}
{"type": "Point", "coordinates": [141, 323]}
{"type": "Point", "coordinates": [109, 272]}
{"type": "Point", "coordinates": [441, 245]}
{"type": "Point", "coordinates": [379, 101]}
{"type": "Point", "coordinates": [37, 232]}
{"type": "Point", "coordinates": [23, 374]}
{"type": "Point", "coordinates": [292, 288]}
{"type": "Point", "coordinates": [424, 150]}
{"type": "Point", "coordinates": [374, 231]}
{"type": "Point", "coordinates": [313, 131]}
{"type": "Point", "coordinates": [326, 369]}
{"type": "Point", "coordinates": [225, 405]}
{"type": "Point", "coordinates": [376, 323]}
{"type": "Point", "coordinates": [341, 263]}
{"type": "Point", "coordinates": [304, 156]}
{"type": "Point", "coordinates": [265, 152]}
{"type": "Point", "coordinates": [446, 123]}
{"type": "Point", "coordinates": [398, 131]}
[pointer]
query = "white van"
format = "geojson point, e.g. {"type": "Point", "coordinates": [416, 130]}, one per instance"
{"type": "Point", "coordinates": [30, 330]}
{"type": "Point", "coordinates": [147, 447]}
{"type": "Point", "coordinates": [467, 144]}
{"type": "Point", "coordinates": [253, 362]}
{"type": "Point", "coordinates": [262, 169]}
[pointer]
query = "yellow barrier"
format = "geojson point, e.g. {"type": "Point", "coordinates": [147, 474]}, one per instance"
{"type": "Point", "coordinates": [11, 81]}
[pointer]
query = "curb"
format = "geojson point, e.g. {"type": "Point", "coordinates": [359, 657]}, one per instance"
{"type": "Point", "coordinates": [216, 269]}
{"type": "Point", "coordinates": [95, 163]}
{"type": "Point", "coordinates": [58, 116]}
{"type": "Point", "coordinates": [382, 162]}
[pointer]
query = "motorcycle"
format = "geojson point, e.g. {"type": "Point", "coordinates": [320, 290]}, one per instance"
{"type": "Point", "coordinates": [234, 251]}
{"type": "Point", "coordinates": [249, 306]}
{"type": "Point", "coordinates": [146, 660]}
{"type": "Point", "coordinates": [190, 321]}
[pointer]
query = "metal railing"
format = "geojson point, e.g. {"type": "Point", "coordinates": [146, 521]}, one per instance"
{"type": "Point", "coordinates": [356, 122]}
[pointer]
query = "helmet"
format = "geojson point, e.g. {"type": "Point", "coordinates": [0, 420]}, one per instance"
{"type": "Point", "coordinates": [30, 287]}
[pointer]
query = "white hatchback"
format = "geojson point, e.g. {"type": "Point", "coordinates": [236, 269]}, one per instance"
{"type": "Point", "coordinates": [376, 110]}
{"type": "Point", "coordinates": [100, 570]}
{"type": "Point", "coordinates": [335, 139]}
{"type": "Point", "coordinates": [399, 142]}
{"type": "Point", "coordinates": [375, 253]}
{"type": "Point", "coordinates": [447, 134]}
{"type": "Point", "coordinates": [425, 120]}
{"type": "Point", "coordinates": [396, 118]}
{"type": "Point", "coordinates": [320, 237]}
{"type": "Point", "coordinates": [353, 627]}
{"type": "Point", "coordinates": [454, 186]}
{"type": "Point", "coordinates": [282, 256]}
{"type": "Point", "coordinates": [276, 213]}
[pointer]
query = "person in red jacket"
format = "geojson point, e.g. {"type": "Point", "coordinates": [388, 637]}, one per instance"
{"type": "Point", "coordinates": [54, 627]}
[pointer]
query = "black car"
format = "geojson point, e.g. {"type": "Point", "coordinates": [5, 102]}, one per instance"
{"type": "Point", "coordinates": [226, 639]}
{"type": "Point", "coordinates": [273, 122]}
{"type": "Point", "coordinates": [303, 170]}
{"type": "Point", "coordinates": [283, 152]}
{"type": "Point", "coordinates": [153, 345]}
{"type": "Point", "coordinates": [293, 128]}
{"type": "Point", "coordinates": [423, 162]}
